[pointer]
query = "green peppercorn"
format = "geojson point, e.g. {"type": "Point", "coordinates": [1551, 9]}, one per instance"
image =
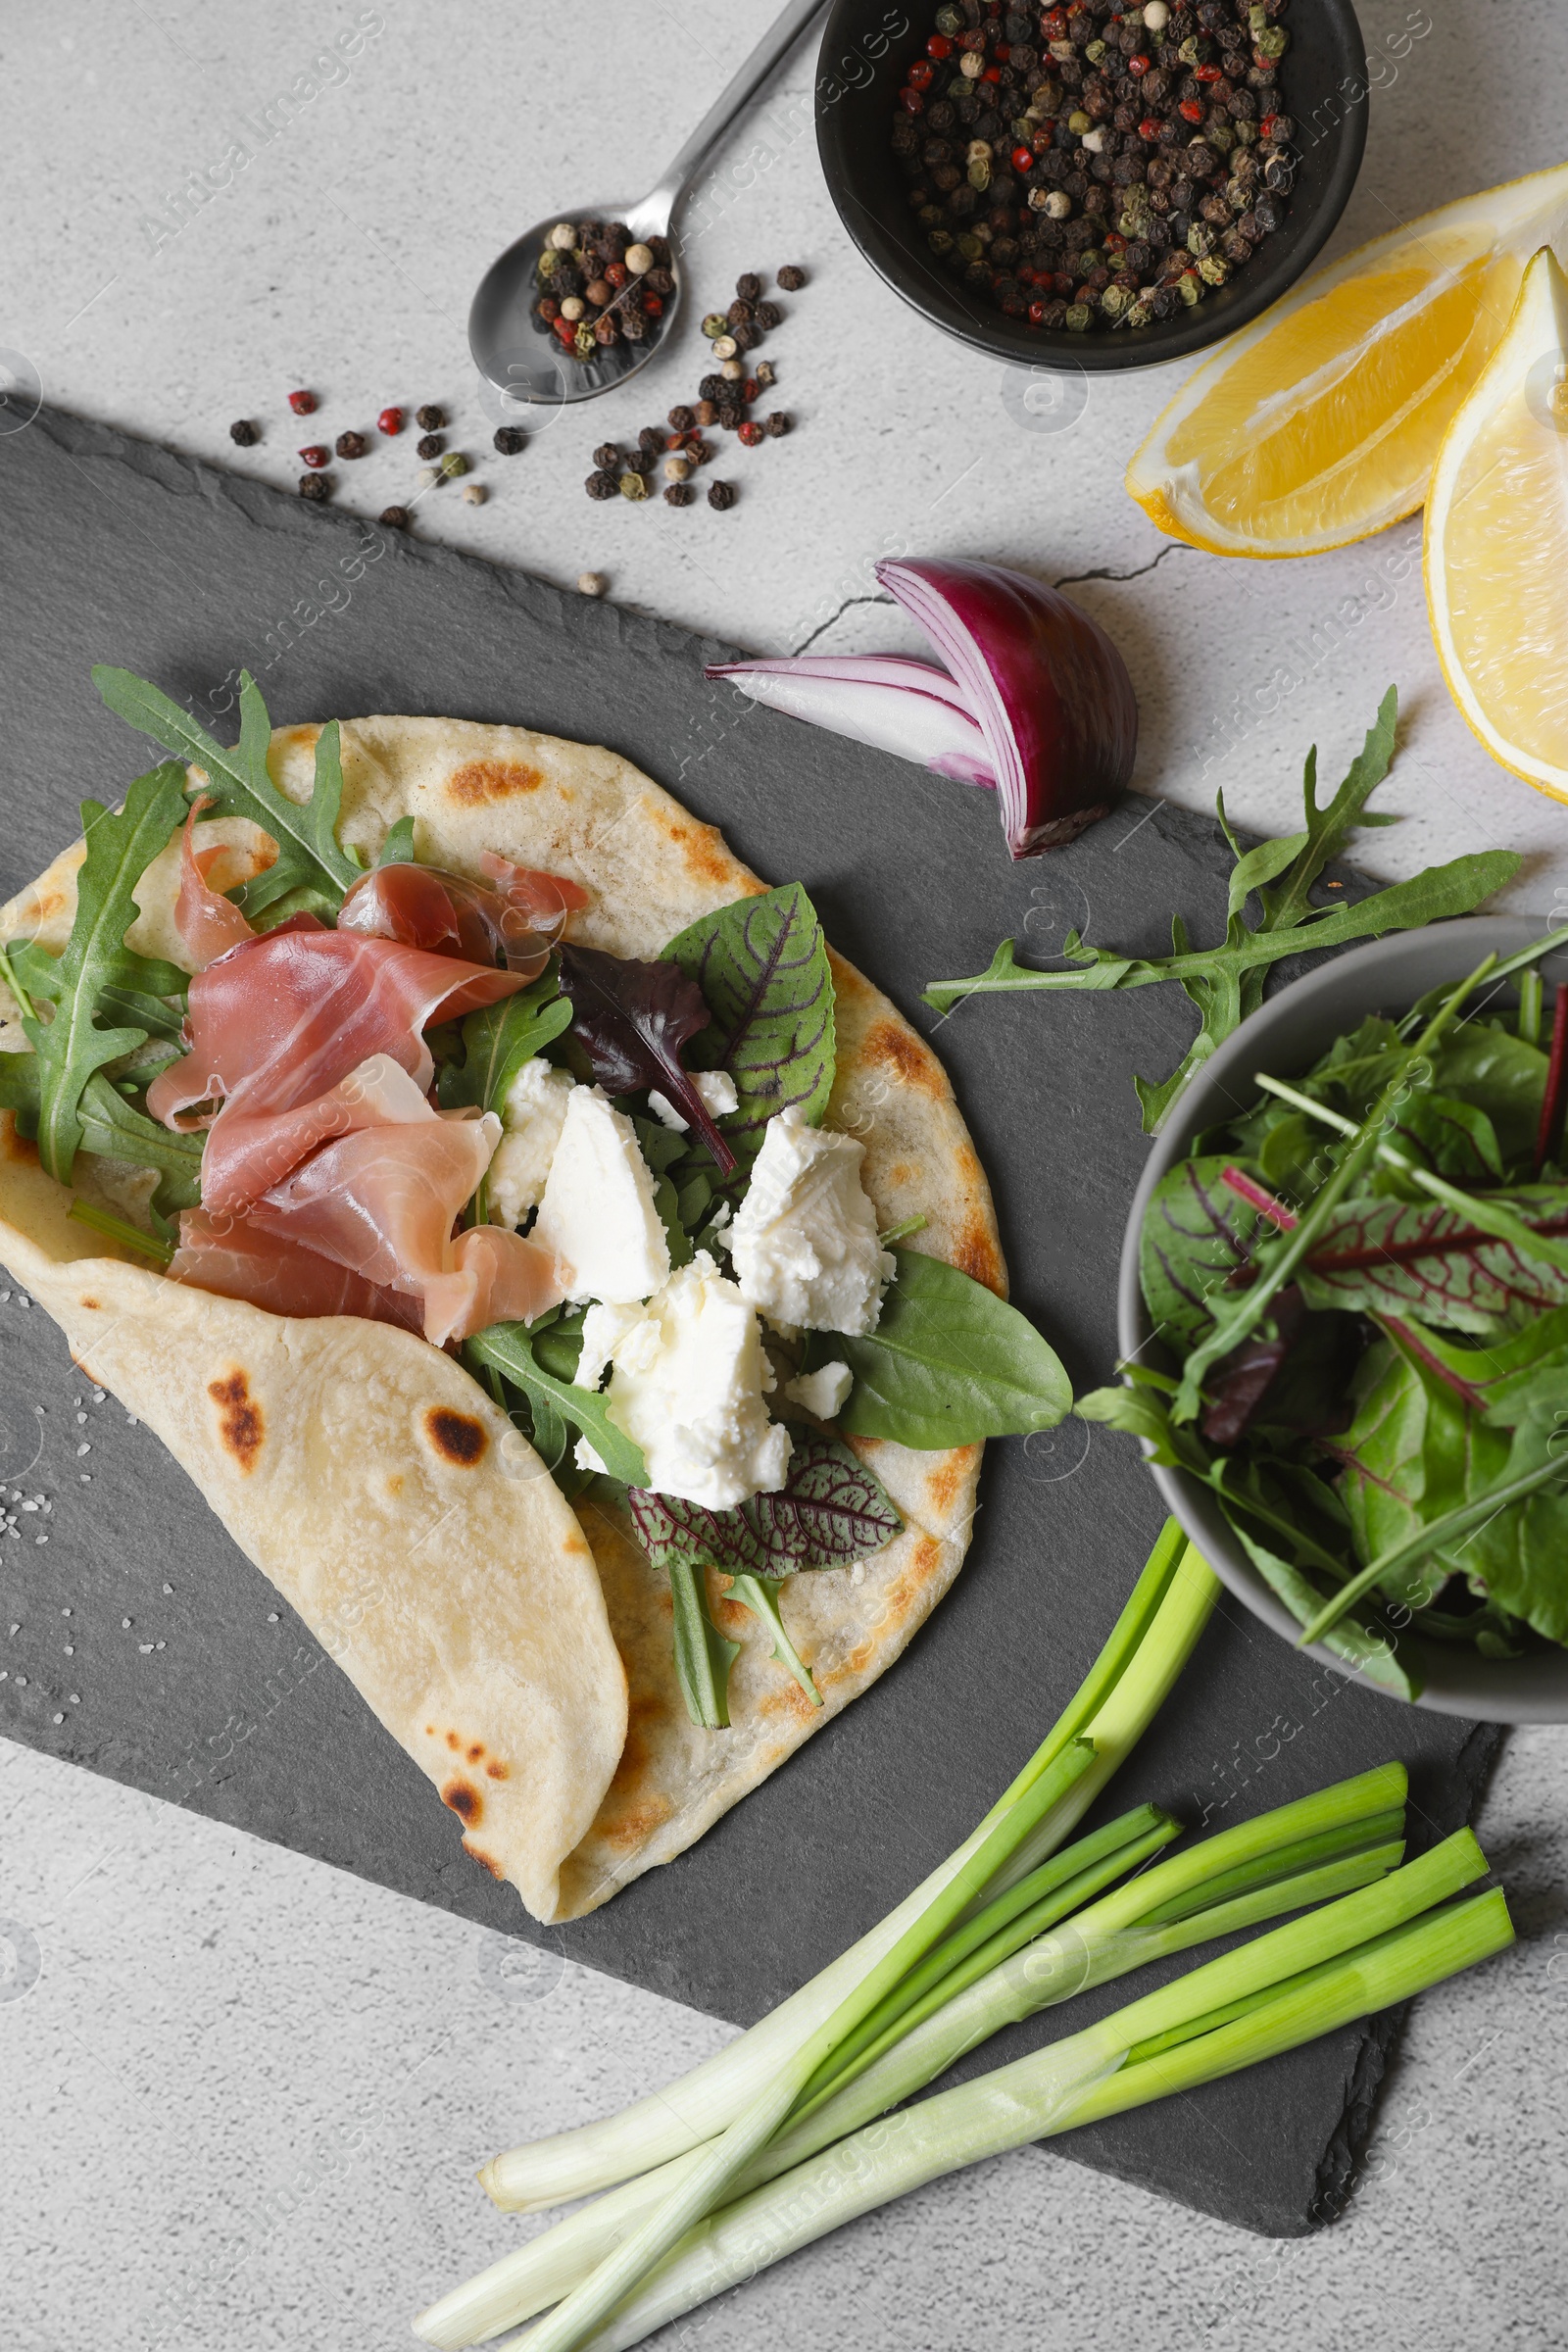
{"type": "Point", "coordinates": [633, 486]}
{"type": "Point", "coordinates": [1141, 313]}
{"type": "Point", "coordinates": [940, 241]}
{"type": "Point", "coordinates": [970, 246]}
{"type": "Point", "coordinates": [1213, 268]}
{"type": "Point", "coordinates": [1199, 240]}
{"type": "Point", "coordinates": [1274, 42]}
{"type": "Point", "coordinates": [1190, 286]}
{"type": "Point", "coordinates": [715, 325]}
{"type": "Point", "coordinates": [950, 21]}
{"type": "Point", "coordinates": [1114, 300]}
{"type": "Point", "coordinates": [1078, 318]}
{"type": "Point", "coordinates": [550, 262]}
{"type": "Point", "coordinates": [1079, 122]}
{"type": "Point", "coordinates": [1094, 52]}
{"type": "Point", "coordinates": [1220, 135]}
{"type": "Point", "coordinates": [453, 464]}
{"type": "Point", "coordinates": [979, 174]}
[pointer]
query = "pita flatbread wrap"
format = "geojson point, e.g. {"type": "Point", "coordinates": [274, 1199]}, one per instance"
{"type": "Point", "coordinates": [519, 1653]}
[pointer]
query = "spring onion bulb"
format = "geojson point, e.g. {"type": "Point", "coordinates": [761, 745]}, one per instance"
{"type": "Point", "coordinates": [1149, 1644]}
{"type": "Point", "coordinates": [1362, 1954]}
{"type": "Point", "coordinates": [1034, 699]}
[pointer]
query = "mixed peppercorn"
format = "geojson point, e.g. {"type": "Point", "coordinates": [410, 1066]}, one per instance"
{"type": "Point", "coordinates": [725, 397]}
{"type": "Point", "coordinates": [316, 483]}
{"type": "Point", "coordinates": [599, 285]}
{"type": "Point", "coordinates": [1090, 164]}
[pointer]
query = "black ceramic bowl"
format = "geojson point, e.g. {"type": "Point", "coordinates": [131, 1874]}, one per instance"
{"type": "Point", "coordinates": [861, 68]}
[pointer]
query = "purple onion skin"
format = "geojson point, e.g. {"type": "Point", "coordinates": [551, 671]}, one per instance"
{"type": "Point", "coordinates": [1065, 688]}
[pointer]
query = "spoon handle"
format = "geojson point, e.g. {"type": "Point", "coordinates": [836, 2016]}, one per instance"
{"type": "Point", "coordinates": [779, 38]}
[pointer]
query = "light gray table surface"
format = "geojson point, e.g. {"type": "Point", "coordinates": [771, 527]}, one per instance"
{"type": "Point", "coordinates": [245, 2095]}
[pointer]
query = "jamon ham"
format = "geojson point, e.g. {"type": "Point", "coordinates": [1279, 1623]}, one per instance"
{"type": "Point", "coordinates": [248, 1152]}
{"type": "Point", "coordinates": [208, 923]}
{"type": "Point", "coordinates": [382, 1202]}
{"type": "Point", "coordinates": [283, 1019]}
{"type": "Point", "coordinates": [238, 1260]}
{"type": "Point", "coordinates": [515, 923]}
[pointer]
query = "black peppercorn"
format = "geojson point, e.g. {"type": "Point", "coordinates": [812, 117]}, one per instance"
{"type": "Point", "coordinates": [789, 277]}
{"type": "Point", "coordinates": [651, 439]}
{"type": "Point", "coordinates": [607, 457]}
{"type": "Point", "coordinates": [351, 445]}
{"type": "Point", "coordinates": [748, 286]}
{"type": "Point", "coordinates": [678, 493]}
{"type": "Point", "coordinates": [681, 420]}
{"type": "Point", "coordinates": [720, 495]}
{"type": "Point", "coordinates": [431, 445]}
{"type": "Point", "coordinates": [244, 434]}
{"type": "Point", "coordinates": [779, 423]}
{"type": "Point", "coordinates": [634, 326]}
{"type": "Point", "coordinates": [769, 315]}
{"type": "Point", "coordinates": [429, 418]}
{"type": "Point", "coordinates": [697, 453]}
{"type": "Point", "coordinates": [741, 312]}
{"type": "Point", "coordinates": [730, 415]}
{"type": "Point", "coordinates": [602, 484]}
{"type": "Point", "coordinates": [315, 485]}
{"type": "Point", "coordinates": [395, 518]}
{"type": "Point", "coordinates": [744, 337]}
{"type": "Point", "coordinates": [510, 441]}
{"type": "Point", "coordinates": [660, 281]}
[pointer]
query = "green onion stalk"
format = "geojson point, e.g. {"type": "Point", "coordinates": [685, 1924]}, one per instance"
{"type": "Point", "coordinates": [1151, 1643]}
{"type": "Point", "coordinates": [987, 1977]}
{"type": "Point", "coordinates": [1348, 1960]}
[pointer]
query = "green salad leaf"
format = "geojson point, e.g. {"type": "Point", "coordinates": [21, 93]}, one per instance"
{"type": "Point", "coordinates": [1196, 1234]}
{"type": "Point", "coordinates": [1225, 983]}
{"type": "Point", "coordinates": [497, 1040]}
{"type": "Point", "coordinates": [398, 847]}
{"type": "Point", "coordinates": [72, 1045]}
{"type": "Point", "coordinates": [311, 868]}
{"type": "Point", "coordinates": [762, 968]}
{"type": "Point", "coordinates": [1432, 1264]}
{"type": "Point", "coordinates": [509, 1349]}
{"type": "Point", "coordinates": [949, 1363]}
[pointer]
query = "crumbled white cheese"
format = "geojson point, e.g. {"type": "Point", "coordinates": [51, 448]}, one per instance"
{"type": "Point", "coordinates": [716, 1090]}
{"type": "Point", "coordinates": [804, 1240]}
{"type": "Point", "coordinates": [824, 1391]}
{"type": "Point", "coordinates": [585, 1458]}
{"type": "Point", "coordinates": [687, 1385]}
{"type": "Point", "coordinates": [532, 1115]}
{"type": "Point", "coordinates": [598, 1212]}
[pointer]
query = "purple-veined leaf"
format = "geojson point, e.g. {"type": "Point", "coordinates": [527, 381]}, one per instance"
{"type": "Point", "coordinates": [631, 1020]}
{"type": "Point", "coordinates": [1428, 1263]}
{"type": "Point", "coordinates": [1198, 1235]}
{"type": "Point", "coordinates": [831, 1510]}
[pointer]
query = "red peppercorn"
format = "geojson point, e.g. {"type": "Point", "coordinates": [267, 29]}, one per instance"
{"type": "Point", "coordinates": [1207, 73]}
{"type": "Point", "coordinates": [1002, 52]}
{"type": "Point", "coordinates": [911, 102]}
{"type": "Point", "coordinates": [390, 420]}
{"type": "Point", "coordinates": [939, 45]}
{"type": "Point", "coordinates": [1150, 130]}
{"type": "Point", "coordinates": [1037, 313]}
{"type": "Point", "coordinates": [615, 271]}
{"type": "Point", "coordinates": [1114, 242]}
{"type": "Point", "coordinates": [1190, 110]}
{"type": "Point", "coordinates": [992, 74]}
{"type": "Point", "coordinates": [1041, 141]}
{"type": "Point", "coordinates": [1023, 159]}
{"type": "Point", "coordinates": [750, 389]}
{"type": "Point", "coordinates": [1265, 129]}
{"type": "Point", "coordinates": [1063, 284]}
{"type": "Point", "coordinates": [303, 403]}
{"type": "Point", "coordinates": [921, 74]}
{"type": "Point", "coordinates": [1054, 24]}
{"type": "Point", "coordinates": [750, 432]}
{"type": "Point", "coordinates": [1139, 66]}
{"type": "Point", "coordinates": [317, 456]}
{"type": "Point", "coordinates": [971, 40]}
{"type": "Point", "coordinates": [565, 331]}
{"type": "Point", "coordinates": [653, 305]}
{"type": "Point", "coordinates": [548, 308]}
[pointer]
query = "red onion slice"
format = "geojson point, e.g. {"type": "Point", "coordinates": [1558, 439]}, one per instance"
{"type": "Point", "coordinates": [1048, 689]}
{"type": "Point", "coordinates": [889, 701]}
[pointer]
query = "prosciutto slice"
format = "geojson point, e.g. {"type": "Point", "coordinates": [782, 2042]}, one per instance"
{"type": "Point", "coordinates": [382, 1202]}
{"type": "Point", "coordinates": [238, 1260]}
{"type": "Point", "coordinates": [248, 1152]}
{"type": "Point", "coordinates": [283, 1019]}
{"type": "Point", "coordinates": [515, 923]}
{"type": "Point", "coordinates": [208, 923]}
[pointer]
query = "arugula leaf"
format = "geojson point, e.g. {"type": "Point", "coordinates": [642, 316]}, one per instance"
{"type": "Point", "coordinates": [631, 1020]}
{"type": "Point", "coordinates": [508, 1347]}
{"type": "Point", "coordinates": [72, 1045]}
{"type": "Point", "coordinates": [398, 847]}
{"type": "Point", "coordinates": [949, 1363]}
{"type": "Point", "coordinates": [497, 1040]}
{"type": "Point", "coordinates": [311, 865]}
{"type": "Point", "coordinates": [38, 968]}
{"type": "Point", "coordinates": [1225, 983]}
{"type": "Point", "coordinates": [830, 1511]}
{"type": "Point", "coordinates": [116, 1130]}
{"type": "Point", "coordinates": [761, 964]}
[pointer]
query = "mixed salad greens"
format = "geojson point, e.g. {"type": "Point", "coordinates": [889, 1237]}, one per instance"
{"type": "Point", "coordinates": [748, 990]}
{"type": "Point", "coordinates": [1363, 1281]}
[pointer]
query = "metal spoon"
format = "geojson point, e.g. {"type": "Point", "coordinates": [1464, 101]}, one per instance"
{"type": "Point", "coordinates": [517, 353]}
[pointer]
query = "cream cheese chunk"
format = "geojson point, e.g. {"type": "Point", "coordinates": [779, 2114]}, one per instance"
{"type": "Point", "coordinates": [598, 1214]}
{"type": "Point", "coordinates": [687, 1382]}
{"type": "Point", "coordinates": [716, 1090]}
{"type": "Point", "coordinates": [804, 1243]}
{"type": "Point", "coordinates": [532, 1115]}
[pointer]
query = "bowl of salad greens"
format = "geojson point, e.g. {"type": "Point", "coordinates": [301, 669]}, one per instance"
{"type": "Point", "coordinates": [1343, 1316]}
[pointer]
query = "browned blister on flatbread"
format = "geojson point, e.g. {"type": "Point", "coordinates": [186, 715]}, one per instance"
{"type": "Point", "coordinates": [519, 1654]}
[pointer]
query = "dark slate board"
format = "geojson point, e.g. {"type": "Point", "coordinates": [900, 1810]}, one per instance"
{"type": "Point", "coordinates": [215, 1696]}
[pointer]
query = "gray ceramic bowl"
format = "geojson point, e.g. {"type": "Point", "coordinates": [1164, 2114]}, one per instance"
{"type": "Point", "coordinates": [1285, 1038]}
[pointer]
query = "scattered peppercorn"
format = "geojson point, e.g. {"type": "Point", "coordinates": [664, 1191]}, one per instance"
{"type": "Point", "coordinates": [390, 420]}
{"type": "Point", "coordinates": [431, 445]}
{"type": "Point", "coordinates": [707, 410]}
{"type": "Point", "coordinates": [303, 403]}
{"type": "Point", "coordinates": [352, 445]}
{"type": "Point", "coordinates": [765, 374]}
{"type": "Point", "coordinates": [678, 493]}
{"type": "Point", "coordinates": [607, 457]}
{"type": "Point", "coordinates": [1110, 175]}
{"type": "Point", "coordinates": [791, 279]}
{"type": "Point", "coordinates": [750, 432]}
{"type": "Point", "coordinates": [749, 287]}
{"type": "Point", "coordinates": [681, 420]}
{"type": "Point", "coordinates": [769, 316]}
{"type": "Point", "coordinates": [473, 494]}
{"type": "Point", "coordinates": [591, 583]}
{"type": "Point", "coordinates": [720, 495]}
{"type": "Point", "coordinates": [315, 485]}
{"type": "Point", "coordinates": [317, 456]}
{"type": "Point", "coordinates": [779, 423]}
{"type": "Point", "coordinates": [429, 418]}
{"type": "Point", "coordinates": [602, 484]}
{"type": "Point", "coordinates": [511, 440]}
{"type": "Point", "coordinates": [244, 434]}
{"type": "Point", "coordinates": [396, 518]}
{"type": "Point", "coordinates": [453, 464]}
{"type": "Point", "coordinates": [632, 486]}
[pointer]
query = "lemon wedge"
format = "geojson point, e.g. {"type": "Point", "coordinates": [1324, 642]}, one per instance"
{"type": "Point", "coordinates": [1497, 541]}
{"type": "Point", "coordinates": [1321, 422]}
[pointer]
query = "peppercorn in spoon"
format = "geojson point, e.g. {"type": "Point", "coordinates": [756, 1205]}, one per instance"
{"type": "Point", "coordinates": [579, 303]}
